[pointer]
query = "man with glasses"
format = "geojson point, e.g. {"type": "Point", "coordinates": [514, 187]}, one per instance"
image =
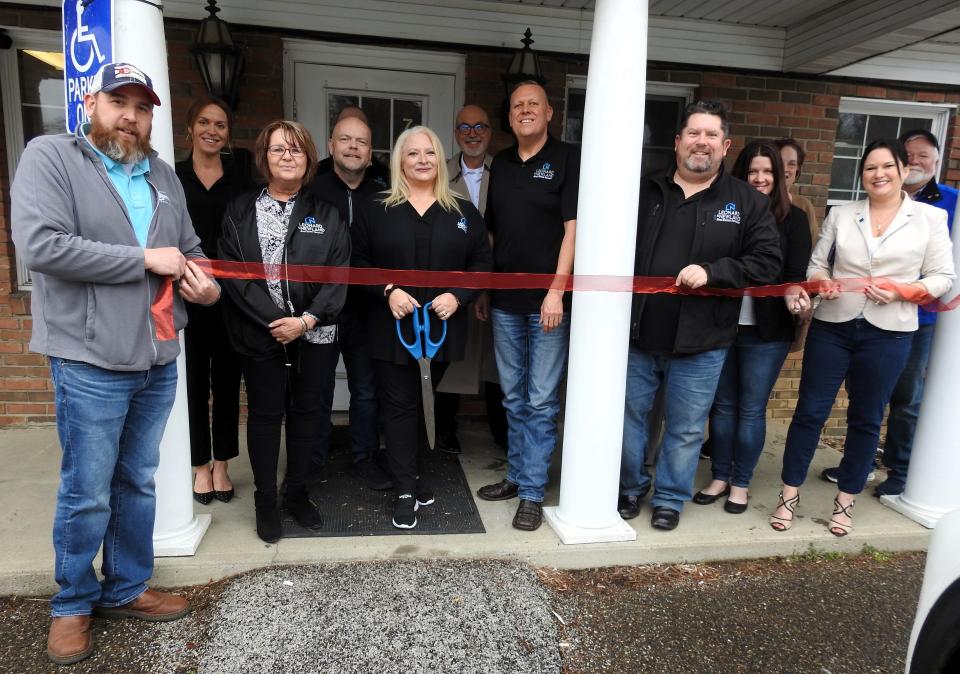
{"type": "Point", "coordinates": [469, 173]}
{"type": "Point", "coordinates": [348, 186]}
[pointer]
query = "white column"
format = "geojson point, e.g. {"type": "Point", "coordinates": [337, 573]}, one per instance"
{"type": "Point", "coordinates": [139, 39]}
{"type": "Point", "coordinates": [931, 489]}
{"type": "Point", "coordinates": [606, 234]}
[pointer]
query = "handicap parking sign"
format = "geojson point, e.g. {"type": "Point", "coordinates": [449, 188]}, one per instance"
{"type": "Point", "coordinates": [87, 45]}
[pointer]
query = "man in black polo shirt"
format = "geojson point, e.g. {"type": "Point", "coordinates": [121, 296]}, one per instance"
{"type": "Point", "coordinates": [532, 217]}
{"type": "Point", "coordinates": [348, 186]}
{"type": "Point", "coordinates": [703, 227]}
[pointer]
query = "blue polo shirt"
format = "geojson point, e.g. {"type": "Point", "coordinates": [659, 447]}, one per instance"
{"type": "Point", "coordinates": [132, 186]}
{"type": "Point", "coordinates": [945, 197]}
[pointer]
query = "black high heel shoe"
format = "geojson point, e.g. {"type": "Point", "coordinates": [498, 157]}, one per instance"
{"type": "Point", "coordinates": [224, 496]}
{"type": "Point", "coordinates": [202, 497]}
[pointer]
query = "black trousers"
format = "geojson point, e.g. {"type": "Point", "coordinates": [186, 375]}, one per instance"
{"type": "Point", "coordinates": [398, 387]}
{"type": "Point", "coordinates": [212, 366]}
{"type": "Point", "coordinates": [297, 392]}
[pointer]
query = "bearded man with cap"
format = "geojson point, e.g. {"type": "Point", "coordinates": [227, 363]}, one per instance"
{"type": "Point", "coordinates": [102, 224]}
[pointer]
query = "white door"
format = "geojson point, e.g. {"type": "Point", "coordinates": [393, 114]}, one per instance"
{"type": "Point", "coordinates": [393, 100]}
{"type": "Point", "coordinates": [396, 89]}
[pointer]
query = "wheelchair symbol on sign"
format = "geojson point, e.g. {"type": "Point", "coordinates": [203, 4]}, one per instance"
{"type": "Point", "coordinates": [82, 37]}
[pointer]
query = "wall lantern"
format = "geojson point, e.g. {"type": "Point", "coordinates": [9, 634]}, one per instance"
{"type": "Point", "coordinates": [219, 59]}
{"type": "Point", "coordinates": [524, 66]}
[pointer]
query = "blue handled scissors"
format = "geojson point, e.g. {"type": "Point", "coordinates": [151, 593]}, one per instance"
{"type": "Point", "coordinates": [423, 349]}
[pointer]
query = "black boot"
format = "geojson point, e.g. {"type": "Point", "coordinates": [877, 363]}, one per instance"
{"type": "Point", "coordinates": [268, 516]}
{"type": "Point", "coordinates": [302, 509]}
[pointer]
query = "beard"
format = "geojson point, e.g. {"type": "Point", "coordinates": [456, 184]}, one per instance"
{"type": "Point", "coordinates": [473, 152]}
{"type": "Point", "coordinates": [916, 178]}
{"type": "Point", "coordinates": [695, 165]}
{"type": "Point", "coordinates": [112, 144]}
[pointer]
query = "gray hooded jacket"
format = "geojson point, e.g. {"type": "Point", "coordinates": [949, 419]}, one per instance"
{"type": "Point", "coordinates": [92, 297]}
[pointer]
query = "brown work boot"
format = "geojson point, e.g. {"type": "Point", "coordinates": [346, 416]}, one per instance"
{"type": "Point", "coordinates": [151, 605]}
{"type": "Point", "coordinates": [69, 639]}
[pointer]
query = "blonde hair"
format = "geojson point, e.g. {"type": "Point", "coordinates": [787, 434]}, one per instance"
{"type": "Point", "coordinates": [400, 189]}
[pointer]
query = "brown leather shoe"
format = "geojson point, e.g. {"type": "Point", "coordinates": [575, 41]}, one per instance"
{"type": "Point", "coordinates": [529, 516]}
{"type": "Point", "coordinates": [151, 605]}
{"type": "Point", "coordinates": [69, 639]}
{"type": "Point", "coordinates": [501, 491]}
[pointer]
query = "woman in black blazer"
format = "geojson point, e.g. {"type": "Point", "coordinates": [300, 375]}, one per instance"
{"type": "Point", "coordinates": [766, 330]}
{"type": "Point", "coordinates": [419, 224]}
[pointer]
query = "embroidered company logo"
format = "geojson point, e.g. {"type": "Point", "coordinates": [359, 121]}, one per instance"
{"type": "Point", "coordinates": [462, 225]}
{"type": "Point", "coordinates": [544, 172]}
{"type": "Point", "coordinates": [311, 226]}
{"type": "Point", "coordinates": [729, 213]}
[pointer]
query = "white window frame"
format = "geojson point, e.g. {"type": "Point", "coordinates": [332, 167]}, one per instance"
{"type": "Point", "coordinates": [23, 38]}
{"type": "Point", "coordinates": [938, 113]}
{"type": "Point", "coordinates": [673, 89]}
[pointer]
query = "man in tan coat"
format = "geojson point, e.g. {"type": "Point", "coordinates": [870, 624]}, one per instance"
{"type": "Point", "coordinates": [469, 172]}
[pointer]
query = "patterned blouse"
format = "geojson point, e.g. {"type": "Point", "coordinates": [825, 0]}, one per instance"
{"type": "Point", "coordinates": [273, 218]}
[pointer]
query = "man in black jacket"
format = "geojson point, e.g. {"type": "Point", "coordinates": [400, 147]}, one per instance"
{"type": "Point", "coordinates": [349, 186]}
{"type": "Point", "coordinates": [704, 228]}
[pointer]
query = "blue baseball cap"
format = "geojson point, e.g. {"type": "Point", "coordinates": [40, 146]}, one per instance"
{"type": "Point", "coordinates": [115, 75]}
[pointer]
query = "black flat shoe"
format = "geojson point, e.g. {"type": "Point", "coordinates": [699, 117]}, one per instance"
{"type": "Point", "coordinates": [500, 491]}
{"type": "Point", "coordinates": [529, 516]}
{"type": "Point", "coordinates": [734, 508]}
{"type": "Point", "coordinates": [223, 496]}
{"type": "Point", "coordinates": [203, 498]}
{"type": "Point", "coordinates": [706, 499]}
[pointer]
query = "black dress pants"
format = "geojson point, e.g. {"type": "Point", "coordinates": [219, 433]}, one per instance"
{"type": "Point", "coordinates": [399, 389]}
{"type": "Point", "coordinates": [296, 392]}
{"type": "Point", "coordinates": [212, 366]}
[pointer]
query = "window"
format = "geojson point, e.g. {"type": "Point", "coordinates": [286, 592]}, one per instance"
{"type": "Point", "coordinates": [861, 121]}
{"type": "Point", "coordinates": [663, 109]}
{"type": "Point", "coordinates": [31, 77]}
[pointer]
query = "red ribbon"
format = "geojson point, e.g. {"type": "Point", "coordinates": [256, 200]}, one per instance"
{"type": "Point", "coordinates": [300, 273]}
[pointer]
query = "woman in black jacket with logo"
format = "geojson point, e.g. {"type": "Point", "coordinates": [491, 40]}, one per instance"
{"type": "Point", "coordinates": [420, 224]}
{"type": "Point", "coordinates": [284, 331]}
{"type": "Point", "coordinates": [765, 332]}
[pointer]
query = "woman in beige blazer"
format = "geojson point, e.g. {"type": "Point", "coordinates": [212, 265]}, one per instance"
{"type": "Point", "coordinates": [862, 336]}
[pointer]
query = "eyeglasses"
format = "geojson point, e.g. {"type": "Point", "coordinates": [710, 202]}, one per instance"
{"type": "Point", "coordinates": [476, 128]}
{"type": "Point", "coordinates": [280, 150]}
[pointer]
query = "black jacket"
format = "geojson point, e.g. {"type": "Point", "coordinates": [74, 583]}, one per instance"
{"type": "Point", "coordinates": [384, 238]}
{"type": "Point", "coordinates": [250, 308]}
{"type": "Point", "coordinates": [736, 241]}
{"type": "Point", "coordinates": [774, 321]}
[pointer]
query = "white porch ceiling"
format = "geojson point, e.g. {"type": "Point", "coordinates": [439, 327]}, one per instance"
{"type": "Point", "coordinates": [911, 40]}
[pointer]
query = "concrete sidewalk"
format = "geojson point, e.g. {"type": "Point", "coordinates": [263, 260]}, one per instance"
{"type": "Point", "coordinates": [28, 482]}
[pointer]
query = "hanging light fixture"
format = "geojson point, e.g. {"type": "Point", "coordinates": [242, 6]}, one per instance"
{"type": "Point", "coordinates": [525, 65]}
{"type": "Point", "coordinates": [218, 57]}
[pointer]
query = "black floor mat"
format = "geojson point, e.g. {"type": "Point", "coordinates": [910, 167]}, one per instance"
{"type": "Point", "coordinates": [350, 509]}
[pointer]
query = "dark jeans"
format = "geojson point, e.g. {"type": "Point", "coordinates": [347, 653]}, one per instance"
{"type": "Point", "coordinates": [362, 383]}
{"type": "Point", "coordinates": [212, 366]}
{"type": "Point", "coordinates": [871, 360]}
{"type": "Point", "coordinates": [905, 407]}
{"type": "Point", "coordinates": [399, 390]}
{"type": "Point", "coordinates": [298, 392]}
{"type": "Point", "coordinates": [738, 421]}
{"type": "Point", "coordinates": [448, 405]}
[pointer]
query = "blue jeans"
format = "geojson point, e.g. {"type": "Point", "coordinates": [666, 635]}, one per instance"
{"type": "Point", "coordinates": [738, 420]}
{"type": "Point", "coordinates": [110, 424]}
{"type": "Point", "coordinates": [871, 360]}
{"type": "Point", "coordinates": [362, 383]}
{"type": "Point", "coordinates": [905, 406]}
{"type": "Point", "coordinates": [531, 364]}
{"type": "Point", "coordinates": [690, 383]}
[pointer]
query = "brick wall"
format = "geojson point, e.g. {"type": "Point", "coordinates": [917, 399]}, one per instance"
{"type": "Point", "coordinates": [761, 106]}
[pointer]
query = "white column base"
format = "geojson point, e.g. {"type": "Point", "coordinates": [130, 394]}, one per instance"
{"type": "Point", "coordinates": [182, 542]}
{"type": "Point", "coordinates": [920, 514]}
{"type": "Point", "coordinates": [573, 534]}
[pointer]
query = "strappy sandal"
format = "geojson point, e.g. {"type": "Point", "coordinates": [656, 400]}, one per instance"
{"type": "Point", "coordinates": [839, 529]}
{"type": "Point", "coordinates": [784, 523]}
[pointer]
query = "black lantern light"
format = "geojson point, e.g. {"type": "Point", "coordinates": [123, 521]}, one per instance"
{"type": "Point", "coordinates": [525, 66]}
{"type": "Point", "coordinates": [219, 59]}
